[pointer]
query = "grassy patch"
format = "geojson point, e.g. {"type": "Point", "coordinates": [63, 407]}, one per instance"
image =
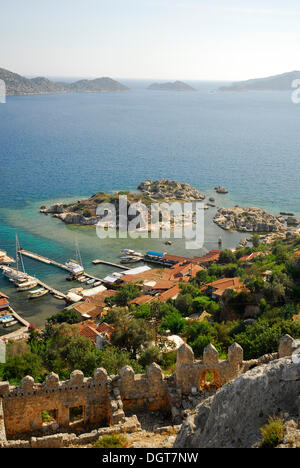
{"type": "Point", "coordinates": [272, 433]}
{"type": "Point", "coordinates": [111, 441]}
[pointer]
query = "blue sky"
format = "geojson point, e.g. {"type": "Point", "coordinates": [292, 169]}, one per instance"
{"type": "Point", "coordinates": [174, 39]}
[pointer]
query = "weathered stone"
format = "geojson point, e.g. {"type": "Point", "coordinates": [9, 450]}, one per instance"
{"type": "Point", "coordinates": [234, 416]}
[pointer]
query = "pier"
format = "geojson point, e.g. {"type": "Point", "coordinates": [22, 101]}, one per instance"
{"type": "Point", "coordinates": [115, 265]}
{"type": "Point", "coordinates": [43, 259]}
{"type": "Point", "coordinates": [21, 333]}
{"type": "Point", "coordinates": [49, 261]}
{"type": "Point", "coordinates": [53, 291]}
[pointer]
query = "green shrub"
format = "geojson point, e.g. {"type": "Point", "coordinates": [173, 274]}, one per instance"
{"type": "Point", "coordinates": [111, 442]}
{"type": "Point", "coordinates": [272, 433]}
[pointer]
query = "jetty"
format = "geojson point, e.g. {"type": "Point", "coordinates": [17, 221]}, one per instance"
{"type": "Point", "coordinates": [53, 291]}
{"type": "Point", "coordinates": [49, 261]}
{"type": "Point", "coordinates": [19, 318]}
{"type": "Point", "coordinates": [21, 333]}
{"type": "Point", "coordinates": [43, 259]}
{"type": "Point", "coordinates": [115, 265]}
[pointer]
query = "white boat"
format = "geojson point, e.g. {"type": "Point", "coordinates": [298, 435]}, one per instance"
{"type": "Point", "coordinates": [11, 324]}
{"type": "Point", "coordinates": [130, 259]}
{"type": "Point", "coordinates": [27, 285]}
{"type": "Point", "coordinates": [74, 267]}
{"type": "Point", "coordinates": [131, 252]}
{"type": "Point", "coordinates": [13, 274]}
{"type": "Point", "coordinates": [37, 293]}
{"type": "Point", "coordinates": [7, 320]}
{"type": "Point", "coordinates": [4, 259]}
{"type": "Point", "coordinates": [91, 281]}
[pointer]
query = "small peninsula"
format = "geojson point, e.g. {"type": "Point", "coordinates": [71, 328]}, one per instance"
{"type": "Point", "coordinates": [175, 86]}
{"type": "Point", "coordinates": [19, 85]}
{"type": "Point", "coordinates": [83, 212]}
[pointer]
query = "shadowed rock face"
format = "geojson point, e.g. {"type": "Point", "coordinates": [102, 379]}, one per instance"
{"type": "Point", "coordinates": [233, 417]}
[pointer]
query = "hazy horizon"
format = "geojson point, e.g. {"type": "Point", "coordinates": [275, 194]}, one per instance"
{"type": "Point", "coordinates": [191, 40]}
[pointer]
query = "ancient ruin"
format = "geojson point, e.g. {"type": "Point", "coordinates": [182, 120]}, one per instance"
{"type": "Point", "coordinates": [102, 401]}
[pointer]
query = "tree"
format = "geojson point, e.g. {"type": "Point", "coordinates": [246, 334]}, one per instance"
{"type": "Point", "coordinates": [113, 360]}
{"type": "Point", "coordinates": [227, 256]}
{"type": "Point", "coordinates": [174, 322]}
{"type": "Point", "coordinates": [184, 304]}
{"type": "Point", "coordinates": [255, 240]}
{"type": "Point", "coordinates": [126, 294]}
{"type": "Point", "coordinates": [66, 316]}
{"type": "Point", "coordinates": [131, 335]}
{"type": "Point", "coordinates": [150, 355]}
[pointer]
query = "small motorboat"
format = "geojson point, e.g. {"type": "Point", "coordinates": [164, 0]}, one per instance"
{"type": "Point", "coordinates": [10, 324]}
{"type": "Point", "coordinates": [91, 281]}
{"type": "Point", "coordinates": [37, 293]}
{"type": "Point", "coordinates": [130, 259]}
{"type": "Point", "coordinates": [27, 285]}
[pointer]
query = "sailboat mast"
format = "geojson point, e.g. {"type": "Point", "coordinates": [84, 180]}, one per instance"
{"type": "Point", "coordinates": [19, 255]}
{"type": "Point", "coordinates": [78, 254]}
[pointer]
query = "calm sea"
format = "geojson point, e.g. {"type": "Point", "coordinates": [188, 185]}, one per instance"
{"type": "Point", "coordinates": [58, 147]}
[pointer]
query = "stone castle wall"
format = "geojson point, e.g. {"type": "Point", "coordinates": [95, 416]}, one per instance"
{"type": "Point", "coordinates": [104, 399]}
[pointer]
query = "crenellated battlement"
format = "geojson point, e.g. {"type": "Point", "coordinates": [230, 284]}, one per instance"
{"type": "Point", "coordinates": [102, 400]}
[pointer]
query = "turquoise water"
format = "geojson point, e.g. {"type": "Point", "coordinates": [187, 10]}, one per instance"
{"type": "Point", "coordinates": [67, 146]}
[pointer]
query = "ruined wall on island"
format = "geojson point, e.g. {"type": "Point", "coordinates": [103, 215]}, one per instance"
{"type": "Point", "coordinates": [105, 399]}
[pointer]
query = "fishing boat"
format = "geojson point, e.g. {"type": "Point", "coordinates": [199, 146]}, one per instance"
{"type": "Point", "coordinates": [4, 259]}
{"type": "Point", "coordinates": [75, 267]}
{"type": "Point", "coordinates": [91, 281]}
{"type": "Point", "coordinates": [37, 293]}
{"type": "Point", "coordinates": [14, 274]}
{"type": "Point", "coordinates": [26, 286]}
{"type": "Point", "coordinates": [10, 324]}
{"type": "Point", "coordinates": [131, 253]}
{"type": "Point", "coordinates": [98, 283]}
{"type": "Point", "coordinates": [130, 259]}
{"type": "Point", "coordinates": [6, 319]}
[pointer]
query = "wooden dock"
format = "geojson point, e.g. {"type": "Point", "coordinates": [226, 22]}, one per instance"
{"type": "Point", "coordinates": [53, 291]}
{"type": "Point", "coordinates": [49, 261]}
{"type": "Point", "coordinates": [18, 318]}
{"type": "Point", "coordinates": [115, 265]}
{"type": "Point", "coordinates": [43, 259]}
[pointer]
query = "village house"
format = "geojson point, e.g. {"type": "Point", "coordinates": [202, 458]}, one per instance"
{"type": "Point", "coordinates": [100, 335]}
{"type": "Point", "coordinates": [216, 289]}
{"type": "Point", "coordinates": [210, 257]}
{"type": "Point", "coordinates": [4, 302]}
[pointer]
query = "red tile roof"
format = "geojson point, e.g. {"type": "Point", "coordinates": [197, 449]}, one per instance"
{"type": "Point", "coordinates": [145, 299]}
{"type": "Point", "coordinates": [170, 294]}
{"type": "Point", "coordinates": [89, 330]}
{"type": "Point", "coordinates": [212, 256]}
{"type": "Point", "coordinates": [106, 328]}
{"type": "Point", "coordinates": [99, 299]}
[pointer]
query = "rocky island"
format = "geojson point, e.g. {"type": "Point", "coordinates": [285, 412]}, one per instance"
{"type": "Point", "coordinates": [19, 85]}
{"type": "Point", "coordinates": [176, 86]}
{"type": "Point", "coordinates": [281, 82]}
{"type": "Point", "coordinates": [169, 190]}
{"type": "Point", "coordinates": [83, 212]}
{"type": "Point", "coordinates": [248, 220]}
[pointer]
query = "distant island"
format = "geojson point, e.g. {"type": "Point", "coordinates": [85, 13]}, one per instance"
{"type": "Point", "coordinates": [175, 86]}
{"type": "Point", "coordinates": [272, 83]}
{"type": "Point", "coordinates": [19, 85]}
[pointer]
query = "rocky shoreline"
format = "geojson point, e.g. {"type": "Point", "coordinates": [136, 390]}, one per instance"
{"type": "Point", "coordinates": [249, 219]}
